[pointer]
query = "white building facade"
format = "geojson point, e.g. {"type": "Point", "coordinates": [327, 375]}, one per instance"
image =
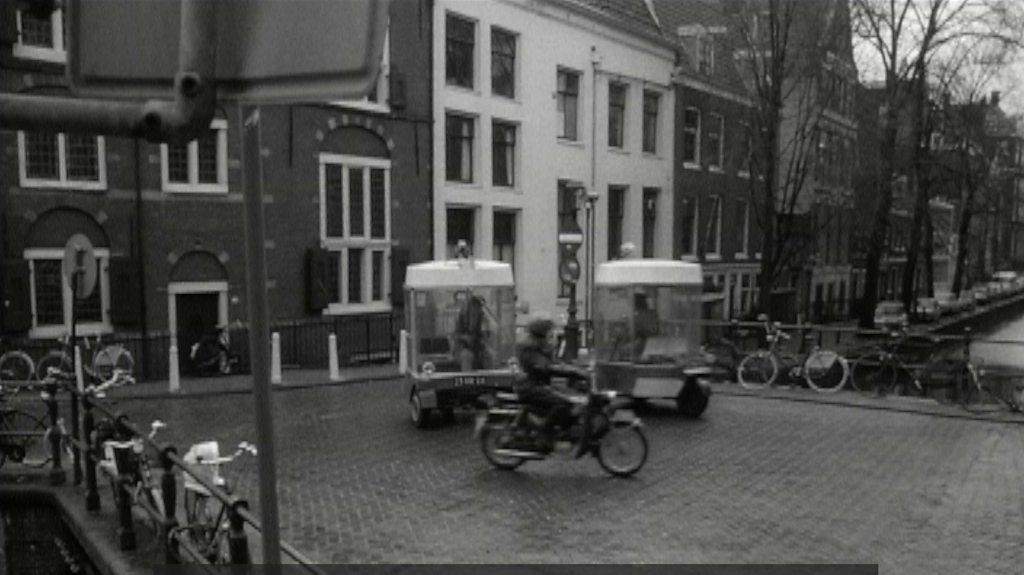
{"type": "Point", "coordinates": [533, 101]}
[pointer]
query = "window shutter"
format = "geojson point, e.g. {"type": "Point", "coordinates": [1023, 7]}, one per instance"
{"type": "Point", "coordinates": [125, 301]}
{"type": "Point", "coordinates": [399, 261]}
{"type": "Point", "coordinates": [17, 307]}
{"type": "Point", "coordinates": [318, 286]}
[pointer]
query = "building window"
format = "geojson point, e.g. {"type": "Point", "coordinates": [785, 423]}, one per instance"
{"type": "Point", "coordinates": [503, 149]}
{"type": "Point", "coordinates": [461, 224]}
{"type": "Point", "coordinates": [743, 227]}
{"type": "Point", "coordinates": [355, 225]}
{"type": "Point", "coordinates": [567, 223]}
{"type": "Point", "coordinates": [40, 38]}
{"type": "Point", "coordinates": [503, 63]}
{"type": "Point", "coordinates": [568, 104]}
{"type": "Point", "coordinates": [616, 217]}
{"type": "Point", "coordinates": [616, 114]}
{"type": "Point", "coordinates": [689, 227]}
{"type": "Point", "coordinates": [716, 144]}
{"type": "Point", "coordinates": [713, 239]}
{"type": "Point", "coordinates": [200, 166]}
{"type": "Point", "coordinates": [458, 148]}
{"type": "Point", "coordinates": [51, 296]}
{"type": "Point", "coordinates": [650, 136]}
{"type": "Point", "coordinates": [459, 45]}
{"type": "Point", "coordinates": [706, 55]}
{"type": "Point", "coordinates": [504, 247]}
{"type": "Point", "coordinates": [650, 221]}
{"type": "Point", "coordinates": [49, 160]}
{"type": "Point", "coordinates": [691, 137]}
{"type": "Point", "coordinates": [744, 150]}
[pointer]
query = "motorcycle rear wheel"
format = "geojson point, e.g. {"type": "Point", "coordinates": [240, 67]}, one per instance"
{"type": "Point", "coordinates": [493, 438]}
{"type": "Point", "coordinates": [623, 450]}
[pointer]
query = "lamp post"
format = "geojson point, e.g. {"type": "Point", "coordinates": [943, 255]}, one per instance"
{"type": "Point", "coordinates": [569, 242]}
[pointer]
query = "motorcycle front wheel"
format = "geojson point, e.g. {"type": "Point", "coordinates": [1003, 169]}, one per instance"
{"type": "Point", "coordinates": [623, 450]}
{"type": "Point", "coordinates": [494, 438]}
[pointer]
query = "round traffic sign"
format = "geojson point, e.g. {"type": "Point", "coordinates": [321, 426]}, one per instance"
{"type": "Point", "coordinates": [80, 258]}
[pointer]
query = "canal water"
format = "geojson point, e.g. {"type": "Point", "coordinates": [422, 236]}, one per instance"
{"type": "Point", "coordinates": [1001, 346]}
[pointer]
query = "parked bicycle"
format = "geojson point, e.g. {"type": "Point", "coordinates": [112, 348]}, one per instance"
{"type": "Point", "coordinates": [973, 387]}
{"type": "Point", "coordinates": [16, 366]}
{"type": "Point", "coordinates": [206, 517]}
{"type": "Point", "coordinates": [98, 361]}
{"type": "Point", "coordinates": [125, 457]}
{"type": "Point", "coordinates": [21, 433]}
{"type": "Point", "coordinates": [887, 368]}
{"type": "Point", "coordinates": [823, 370]}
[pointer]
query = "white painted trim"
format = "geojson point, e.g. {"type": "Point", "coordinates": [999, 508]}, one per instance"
{"type": "Point", "coordinates": [62, 180]}
{"type": "Point", "coordinates": [193, 186]}
{"type": "Point", "coordinates": [54, 331]}
{"type": "Point", "coordinates": [195, 287]}
{"type": "Point", "coordinates": [690, 82]}
{"type": "Point", "coordinates": [57, 54]}
{"type": "Point", "coordinates": [355, 161]}
{"type": "Point", "coordinates": [356, 309]}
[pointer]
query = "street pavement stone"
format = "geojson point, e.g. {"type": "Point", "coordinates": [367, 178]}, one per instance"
{"type": "Point", "coordinates": [755, 480]}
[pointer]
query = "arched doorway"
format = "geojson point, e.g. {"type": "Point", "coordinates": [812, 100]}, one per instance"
{"type": "Point", "coordinates": [197, 300]}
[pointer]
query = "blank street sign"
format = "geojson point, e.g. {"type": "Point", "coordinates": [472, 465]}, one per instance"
{"type": "Point", "coordinates": [267, 50]}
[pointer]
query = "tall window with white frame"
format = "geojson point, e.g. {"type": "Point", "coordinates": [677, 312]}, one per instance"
{"type": "Point", "coordinates": [650, 221]}
{"type": "Point", "coordinates": [459, 148]}
{"type": "Point", "coordinates": [616, 217]}
{"type": "Point", "coordinates": [200, 166]}
{"type": "Point", "coordinates": [691, 137]}
{"type": "Point", "coordinates": [49, 160]}
{"type": "Point", "coordinates": [504, 236]}
{"type": "Point", "coordinates": [568, 99]}
{"type": "Point", "coordinates": [567, 223]}
{"type": "Point", "coordinates": [40, 37]}
{"type": "Point", "coordinates": [744, 150]}
{"type": "Point", "coordinates": [706, 55]}
{"type": "Point", "coordinates": [503, 63]}
{"type": "Point", "coordinates": [355, 225]}
{"type": "Point", "coordinates": [460, 47]}
{"type": "Point", "coordinates": [716, 143]}
{"type": "Point", "coordinates": [52, 298]}
{"type": "Point", "coordinates": [503, 154]}
{"type": "Point", "coordinates": [616, 114]}
{"type": "Point", "coordinates": [461, 226]}
{"type": "Point", "coordinates": [688, 226]}
{"type": "Point", "coordinates": [713, 237]}
{"type": "Point", "coordinates": [652, 100]}
{"type": "Point", "coordinates": [743, 228]}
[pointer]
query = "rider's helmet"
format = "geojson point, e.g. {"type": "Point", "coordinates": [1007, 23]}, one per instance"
{"type": "Point", "coordinates": [539, 327]}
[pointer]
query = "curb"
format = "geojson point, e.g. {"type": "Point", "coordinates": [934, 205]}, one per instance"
{"type": "Point", "coordinates": [248, 390]}
{"type": "Point", "coordinates": [823, 400]}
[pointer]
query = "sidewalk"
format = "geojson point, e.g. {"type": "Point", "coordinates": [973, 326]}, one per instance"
{"type": "Point", "coordinates": [236, 384]}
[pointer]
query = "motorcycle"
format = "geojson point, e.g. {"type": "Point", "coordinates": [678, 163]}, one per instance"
{"type": "Point", "coordinates": [600, 424]}
{"type": "Point", "coordinates": [212, 355]}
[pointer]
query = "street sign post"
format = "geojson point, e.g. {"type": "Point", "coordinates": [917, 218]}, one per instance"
{"type": "Point", "coordinates": [79, 269]}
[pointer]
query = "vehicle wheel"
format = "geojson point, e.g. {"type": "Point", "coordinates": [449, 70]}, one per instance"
{"type": "Point", "coordinates": [57, 359]}
{"type": "Point", "coordinates": [26, 444]}
{"type": "Point", "coordinates": [826, 371]}
{"type": "Point", "coordinates": [493, 438]}
{"type": "Point", "coordinates": [420, 415]}
{"type": "Point", "coordinates": [873, 373]}
{"type": "Point", "coordinates": [758, 370]}
{"type": "Point", "coordinates": [16, 366]}
{"type": "Point", "coordinates": [110, 358]}
{"type": "Point", "coordinates": [692, 401]}
{"type": "Point", "coordinates": [623, 450]}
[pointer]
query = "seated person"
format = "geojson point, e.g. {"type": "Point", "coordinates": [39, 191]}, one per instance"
{"type": "Point", "coordinates": [472, 334]}
{"type": "Point", "coordinates": [645, 323]}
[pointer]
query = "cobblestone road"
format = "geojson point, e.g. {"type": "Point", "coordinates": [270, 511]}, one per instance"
{"type": "Point", "coordinates": [754, 481]}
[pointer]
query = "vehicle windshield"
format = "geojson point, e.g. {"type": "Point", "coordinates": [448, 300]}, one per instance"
{"type": "Point", "coordinates": [646, 324]}
{"type": "Point", "coordinates": [461, 329]}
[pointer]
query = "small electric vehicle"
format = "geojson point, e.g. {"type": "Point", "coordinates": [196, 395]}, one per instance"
{"type": "Point", "coordinates": [459, 342]}
{"type": "Point", "coordinates": [647, 332]}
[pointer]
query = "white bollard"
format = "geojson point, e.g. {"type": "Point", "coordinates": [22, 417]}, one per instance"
{"type": "Point", "coordinates": [173, 377]}
{"type": "Point", "coordinates": [275, 357]}
{"type": "Point", "coordinates": [79, 376]}
{"type": "Point", "coordinates": [332, 358]}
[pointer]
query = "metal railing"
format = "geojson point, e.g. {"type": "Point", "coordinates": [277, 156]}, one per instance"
{"type": "Point", "coordinates": [87, 454]}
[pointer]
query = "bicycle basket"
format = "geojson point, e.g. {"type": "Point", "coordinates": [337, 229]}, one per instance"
{"type": "Point", "coordinates": [196, 456]}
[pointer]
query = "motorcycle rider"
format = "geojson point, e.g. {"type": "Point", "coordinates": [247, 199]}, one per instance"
{"type": "Point", "coordinates": [537, 359]}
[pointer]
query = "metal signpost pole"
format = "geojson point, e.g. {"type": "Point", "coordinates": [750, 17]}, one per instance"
{"type": "Point", "coordinates": [259, 340]}
{"type": "Point", "coordinates": [75, 280]}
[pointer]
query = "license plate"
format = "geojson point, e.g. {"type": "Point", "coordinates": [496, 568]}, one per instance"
{"type": "Point", "coordinates": [469, 380]}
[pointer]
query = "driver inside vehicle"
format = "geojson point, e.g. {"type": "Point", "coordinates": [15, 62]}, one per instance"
{"type": "Point", "coordinates": [472, 333]}
{"type": "Point", "coordinates": [645, 323]}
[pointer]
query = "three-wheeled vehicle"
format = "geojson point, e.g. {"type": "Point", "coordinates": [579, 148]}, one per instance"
{"type": "Point", "coordinates": [647, 332]}
{"type": "Point", "coordinates": [459, 341]}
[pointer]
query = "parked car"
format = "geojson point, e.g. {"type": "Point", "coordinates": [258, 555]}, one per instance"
{"type": "Point", "coordinates": [890, 314]}
{"type": "Point", "coordinates": [996, 290]}
{"type": "Point", "coordinates": [981, 295]}
{"type": "Point", "coordinates": [928, 309]}
{"type": "Point", "coordinates": [949, 304]}
{"type": "Point", "coordinates": [967, 301]}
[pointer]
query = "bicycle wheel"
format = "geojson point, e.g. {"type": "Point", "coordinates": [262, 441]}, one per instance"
{"type": "Point", "coordinates": [16, 366]}
{"type": "Point", "coordinates": [758, 370]}
{"type": "Point", "coordinates": [21, 439]}
{"type": "Point", "coordinates": [873, 372]}
{"type": "Point", "coordinates": [57, 359]}
{"type": "Point", "coordinates": [826, 371]}
{"type": "Point", "coordinates": [110, 358]}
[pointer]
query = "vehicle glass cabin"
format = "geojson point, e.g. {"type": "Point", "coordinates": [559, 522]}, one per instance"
{"type": "Point", "coordinates": [647, 331]}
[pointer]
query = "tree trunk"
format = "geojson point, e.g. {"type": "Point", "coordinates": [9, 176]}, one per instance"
{"type": "Point", "coordinates": [919, 139]}
{"type": "Point", "coordinates": [880, 219]}
{"type": "Point", "coordinates": [928, 253]}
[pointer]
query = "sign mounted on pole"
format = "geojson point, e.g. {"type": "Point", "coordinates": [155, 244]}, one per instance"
{"type": "Point", "coordinates": [79, 257]}
{"type": "Point", "coordinates": [268, 51]}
